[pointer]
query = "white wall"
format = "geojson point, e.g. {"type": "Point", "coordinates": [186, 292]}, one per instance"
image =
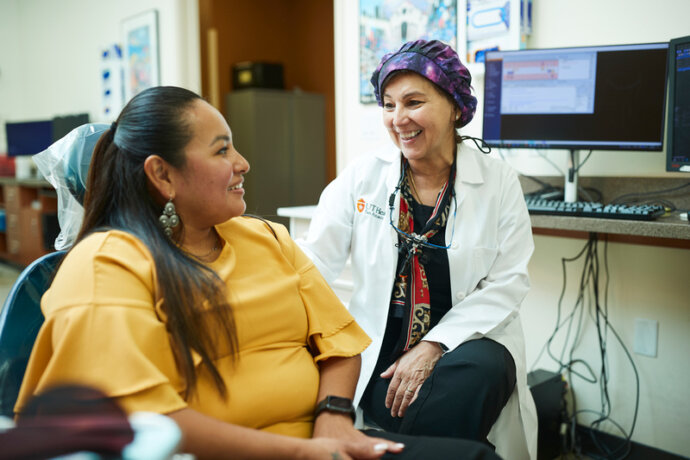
{"type": "Point", "coordinates": [646, 281]}
{"type": "Point", "coordinates": [49, 65]}
{"type": "Point", "coordinates": [556, 23]}
{"type": "Point", "coordinates": [10, 78]}
{"type": "Point", "coordinates": [50, 53]}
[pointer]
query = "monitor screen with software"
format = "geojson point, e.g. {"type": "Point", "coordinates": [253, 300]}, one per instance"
{"type": "Point", "coordinates": [593, 97]}
{"type": "Point", "coordinates": [678, 132]}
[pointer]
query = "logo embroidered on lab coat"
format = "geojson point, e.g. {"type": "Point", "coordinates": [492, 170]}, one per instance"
{"type": "Point", "coordinates": [370, 209]}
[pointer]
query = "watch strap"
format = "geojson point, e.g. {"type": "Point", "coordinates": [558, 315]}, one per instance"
{"type": "Point", "coordinates": [336, 404]}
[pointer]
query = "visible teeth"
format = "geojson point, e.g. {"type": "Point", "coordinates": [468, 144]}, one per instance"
{"type": "Point", "coordinates": [410, 135]}
{"type": "Point", "coordinates": [235, 187]}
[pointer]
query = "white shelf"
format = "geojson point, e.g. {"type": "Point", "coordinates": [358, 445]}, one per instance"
{"type": "Point", "coordinates": [301, 212]}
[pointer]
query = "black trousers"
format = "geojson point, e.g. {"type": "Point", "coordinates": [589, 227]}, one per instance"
{"type": "Point", "coordinates": [462, 398]}
{"type": "Point", "coordinates": [430, 448]}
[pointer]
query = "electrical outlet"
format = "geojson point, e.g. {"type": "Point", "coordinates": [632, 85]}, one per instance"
{"type": "Point", "coordinates": [646, 337]}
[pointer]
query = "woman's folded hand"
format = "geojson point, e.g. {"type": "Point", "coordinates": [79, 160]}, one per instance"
{"type": "Point", "coordinates": [337, 432]}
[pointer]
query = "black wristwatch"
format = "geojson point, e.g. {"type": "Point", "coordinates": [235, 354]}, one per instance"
{"type": "Point", "coordinates": [336, 404]}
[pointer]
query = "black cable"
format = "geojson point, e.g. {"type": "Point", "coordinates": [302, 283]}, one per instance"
{"type": "Point", "coordinates": [567, 320]}
{"type": "Point", "coordinates": [546, 187]}
{"type": "Point", "coordinates": [573, 420]}
{"type": "Point", "coordinates": [574, 169]}
{"type": "Point", "coordinates": [637, 196]}
{"type": "Point", "coordinates": [582, 191]}
{"type": "Point", "coordinates": [603, 325]}
{"type": "Point", "coordinates": [589, 294]}
{"type": "Point", "coordinates": [669, 205]}
{"type": "Point", "coordinates": [583, 161]}
{"type": "Point", "coordinates": [547, 345]}
{"type": "Point", "coordinates": [626, 444]}
{"type": "Point", "coordinates": [598, 196]}
{"type": "Point", "coordinates": [479, 142]}
{"type": "Point", "coordinates": [584, 281]}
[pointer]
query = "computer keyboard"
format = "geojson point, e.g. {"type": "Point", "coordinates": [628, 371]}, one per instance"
{"type": "Point", "coordinates": [593, 209]}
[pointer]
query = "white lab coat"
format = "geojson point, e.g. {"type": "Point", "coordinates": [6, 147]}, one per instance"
{"type": "Point", "coordinates": [490, 242]}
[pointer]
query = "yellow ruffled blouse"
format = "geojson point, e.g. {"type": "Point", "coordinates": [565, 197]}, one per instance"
{"type": "Point", "coordinates": [104, 327]}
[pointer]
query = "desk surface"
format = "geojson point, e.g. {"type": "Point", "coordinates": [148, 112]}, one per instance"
{"type": "Point", "coordinates": [668, 230]}
{"type": "Point", "coordinates": [24, 182]}
{"type": "Point", "coordinates": [668, 227]}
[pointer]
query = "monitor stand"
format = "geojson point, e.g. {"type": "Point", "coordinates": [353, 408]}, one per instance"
{"type": "Point", "coordinates": [570, 188]}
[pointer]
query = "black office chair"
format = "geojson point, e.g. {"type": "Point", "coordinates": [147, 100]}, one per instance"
{"type": "Point", "coordinates": [20, 320]}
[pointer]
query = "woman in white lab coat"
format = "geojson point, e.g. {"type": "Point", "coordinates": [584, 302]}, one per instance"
{"type": "Point", "coordinates": [439, 239]}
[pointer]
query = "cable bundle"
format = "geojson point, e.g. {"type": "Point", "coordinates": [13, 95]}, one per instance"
{"type": "Point", "coordinates": [591, 299]}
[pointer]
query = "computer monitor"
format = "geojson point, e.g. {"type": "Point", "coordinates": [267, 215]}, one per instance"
{"type": "Point", "coordinates": [678, 130]}
{"type": "Point", "coordinates": [62, 125]}
{"type": "Point", "coordinates": [592, 97]}
{"type": "Point", "coordinates": [28, 138]}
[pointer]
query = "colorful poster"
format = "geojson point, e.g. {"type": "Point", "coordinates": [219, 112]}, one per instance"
{"type": "Point", "coordinates": [140, 47]}
{"type": "Point", "coordinates": [384, 25]}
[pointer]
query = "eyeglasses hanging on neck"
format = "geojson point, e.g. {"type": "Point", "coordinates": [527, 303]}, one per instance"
{"type": "Point", "coordinates": [414, 240]}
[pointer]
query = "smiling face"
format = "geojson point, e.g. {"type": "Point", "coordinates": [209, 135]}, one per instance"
{"type": "Point", "coordinates": [419, 119]}
{"type": "Point", "coordinates": [208, 188]}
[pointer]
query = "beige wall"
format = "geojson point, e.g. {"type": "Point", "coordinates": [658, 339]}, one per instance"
{"type": "Point", "coordinates": [555, 23]}
{"type": "Point", "coordinates": [50, 53]}
{"type": "Point", "coordinates": [49, 65]}
{"type": "Point", "coordinates": [646, 281]}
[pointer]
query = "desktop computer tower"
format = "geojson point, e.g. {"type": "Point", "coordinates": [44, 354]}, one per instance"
{"type": "Point", "coordinates": [548, 390]}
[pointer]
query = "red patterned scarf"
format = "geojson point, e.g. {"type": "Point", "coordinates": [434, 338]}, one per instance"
{"type": "Point", "coordinates": [416, 302]}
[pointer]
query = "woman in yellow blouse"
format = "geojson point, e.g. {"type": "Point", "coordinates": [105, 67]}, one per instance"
{"type": "Point", "coordinates": [218, 321]}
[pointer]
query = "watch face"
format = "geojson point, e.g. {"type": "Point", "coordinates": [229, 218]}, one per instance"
{"type": "Point", "coordinates": [339, 403]}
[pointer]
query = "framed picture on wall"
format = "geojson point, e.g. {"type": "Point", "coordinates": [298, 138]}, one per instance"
{"type": "Point", "coordinates": [384, 25]}
{"type": "Point", "coordinates": [140, 53]}
{"type": "Point", "coordinates": [494, 25]}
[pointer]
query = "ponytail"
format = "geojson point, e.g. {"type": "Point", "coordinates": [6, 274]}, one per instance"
{"type": "Point", "coordinates": [156, 122]}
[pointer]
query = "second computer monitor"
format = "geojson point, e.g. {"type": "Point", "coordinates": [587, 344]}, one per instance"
{"type": "Point", "coordinates": [678, 135]}
{"type": "Point", "coordinates": [29, 137]}
{"type": "Point", "coordinates": [593, 97]}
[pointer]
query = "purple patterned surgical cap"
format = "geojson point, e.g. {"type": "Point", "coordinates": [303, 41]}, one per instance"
{"type": "Point", "coordinates": [436, 61]}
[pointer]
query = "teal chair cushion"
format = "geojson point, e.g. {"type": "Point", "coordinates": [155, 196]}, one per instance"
{"type": "Point", "coordinates": [20, 320]}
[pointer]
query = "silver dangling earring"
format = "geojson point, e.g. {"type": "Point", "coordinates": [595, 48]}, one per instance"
{"type": "Point", "coordinates": [169, 219]}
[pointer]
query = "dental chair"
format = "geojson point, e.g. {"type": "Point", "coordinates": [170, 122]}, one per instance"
{"type": "Point", "coordinates": [79, 434]}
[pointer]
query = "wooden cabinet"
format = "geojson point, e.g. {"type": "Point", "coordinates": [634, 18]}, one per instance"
{"type": "Point", "coordinates": [30, 210]}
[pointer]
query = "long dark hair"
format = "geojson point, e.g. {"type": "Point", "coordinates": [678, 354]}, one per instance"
{"type": "Point", "coordinates": [156, 122]}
